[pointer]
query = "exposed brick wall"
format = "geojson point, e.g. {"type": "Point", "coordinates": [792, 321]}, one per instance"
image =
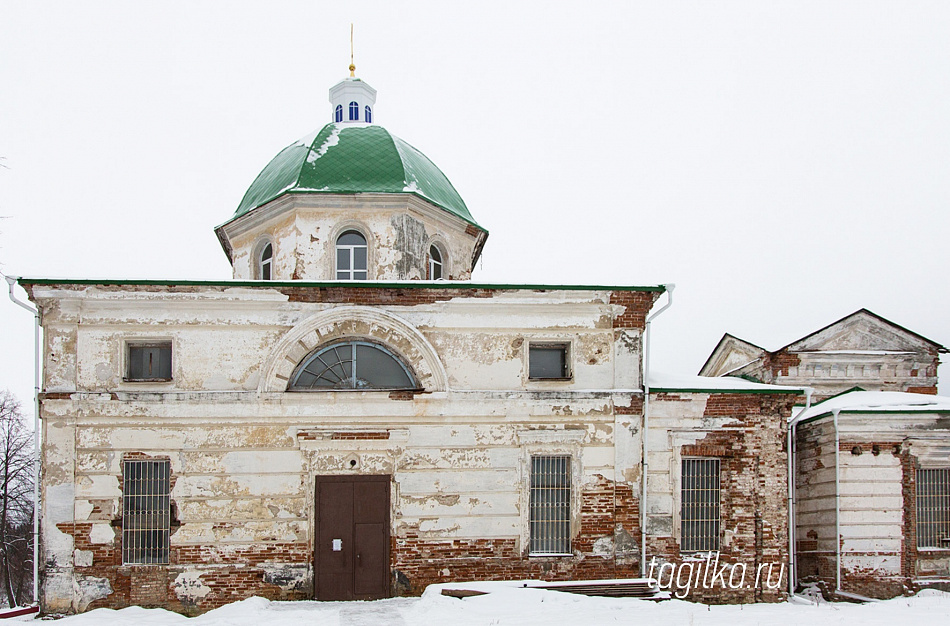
{"type": "Point", "coordinates": [637, 306]}
{"type": "Point", "coordinates": [753, 503]}
{"type": "Point", "coordinates": [609, 512]}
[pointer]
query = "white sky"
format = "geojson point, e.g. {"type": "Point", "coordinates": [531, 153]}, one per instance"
{"type": "Point", "coordinates": [784, 163]}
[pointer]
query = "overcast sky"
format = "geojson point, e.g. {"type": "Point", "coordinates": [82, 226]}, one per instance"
{"type": "Point", "coordinates": [784, 163]}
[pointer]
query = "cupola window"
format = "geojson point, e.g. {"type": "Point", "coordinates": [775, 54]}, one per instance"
{"type": "Point", "coordinates": [354, 111]}
{"type": "Point", "coordinates": [338, 113]}
{"type": "Point", "coordinates": [265, 265]}
{"type": "Point", "coordinates": [351, 365]}
{"type": "Point", "coordinates": [435, 263]}
{"type": "Point", "coordinates": [351, 253]}
{"type": "Point", "coordinates": [369, 115]}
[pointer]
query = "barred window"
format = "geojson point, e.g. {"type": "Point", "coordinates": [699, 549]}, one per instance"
{"type": "Point", "coordinates": [146, 509]}
{"type": "Point", "coordinates": [933, 508]}
{"type": "Point", "coordinates": [550, 505]}
{"type": "Point", "coordinates": [699, 515]}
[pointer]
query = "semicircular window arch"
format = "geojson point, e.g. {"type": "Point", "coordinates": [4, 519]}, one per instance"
{"type": "Point", "coordinates": [352, 365]}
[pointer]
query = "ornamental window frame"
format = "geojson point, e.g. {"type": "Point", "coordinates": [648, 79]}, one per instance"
{"type": "Point", "coordinates": [338, 114]}
{"type": "Point", "coordinates": [335, 367]}
{"type": "Point", "coordinates": [368, 114]}
{"type": "Point", "coordinates": [354, 111]}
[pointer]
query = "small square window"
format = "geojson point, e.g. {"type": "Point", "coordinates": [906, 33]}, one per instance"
{"type": "Point", "coordinates": [147, 361]}
{"type": "Point", "coordinates": [548, 361]}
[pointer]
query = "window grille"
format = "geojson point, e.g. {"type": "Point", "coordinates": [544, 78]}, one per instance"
{"type": "Point", "coordinates": [146, 508]}
{"type": "Point", "coordinates": [550, 505]}
{"type": "Point", "coordinates": [699, 516]}
{"type": "Point", "coordinates": [933, 508]}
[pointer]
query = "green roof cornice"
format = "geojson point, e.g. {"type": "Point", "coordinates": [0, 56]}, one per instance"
{"type": "Point", "coordinates": [355, 284]}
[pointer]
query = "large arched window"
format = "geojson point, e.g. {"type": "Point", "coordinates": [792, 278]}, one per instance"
{"type": "Point", "coordinates": [354, 111]}
{"type": "Point", "coordinates": [351, 364]}
{"type": "Point", "coordinates": [435, 263]}
{"type": "Point", "coordinates": [265, 262]}
{"type": "Point", "coordinates": [351, 253]}
{"type": "Point", "coordinates": [368, 117]}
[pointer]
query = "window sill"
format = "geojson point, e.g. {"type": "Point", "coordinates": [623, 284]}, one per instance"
{"type": "Point", "coordinates": [563, 379]}
{"type": "Point", "coordinates": [147, 380]}
{"type": "Point", "coordinates": [549, 555]}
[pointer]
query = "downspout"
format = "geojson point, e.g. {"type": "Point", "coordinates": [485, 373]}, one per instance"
{"type": "Point", "coordinates": [837, 503]}
{"type": "Point", "coordinates": [645, 430]}
{"type": "Point", "coordinates": [790, 447]}
{"type": "Point", "coordinates": [36, 437]}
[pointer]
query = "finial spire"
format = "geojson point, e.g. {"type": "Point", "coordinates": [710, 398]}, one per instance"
{"type": "Point", "coordinates": [352, 65]}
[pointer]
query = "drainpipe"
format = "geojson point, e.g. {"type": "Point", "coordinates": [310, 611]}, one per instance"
{"type": "Point", "coordinates": [645, 430]}
{"type": "Point", "coordinates": [36, 437]}
{"type": "Point", "coordinates": [837, 503]}
{"type": "Point", "coordinates": [790, 447]}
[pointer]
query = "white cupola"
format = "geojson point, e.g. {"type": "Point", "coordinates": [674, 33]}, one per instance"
{"type": "Point", "coordinates": [352, 100]}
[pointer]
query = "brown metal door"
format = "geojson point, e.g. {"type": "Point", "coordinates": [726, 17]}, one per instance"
{"type": "Point", "coordinates": [351, 555]}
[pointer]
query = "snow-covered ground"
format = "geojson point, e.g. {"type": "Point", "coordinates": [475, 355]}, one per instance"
{"type": "Point", "coordinates": [508, 606]}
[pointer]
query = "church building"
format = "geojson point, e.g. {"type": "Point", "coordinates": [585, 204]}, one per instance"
{"type": "Point", "coordinates": [351, 416]}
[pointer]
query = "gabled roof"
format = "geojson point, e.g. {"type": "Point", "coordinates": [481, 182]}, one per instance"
{"type": "Point", "coordinates": [739, 349]}
{"type": "Point", "coordinates": [746, 352]}
{"type": "Point", "coordinates": [874, 316]}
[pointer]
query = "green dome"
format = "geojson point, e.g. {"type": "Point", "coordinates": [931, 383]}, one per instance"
{"type": "Point", "coordinates": [353, 158]}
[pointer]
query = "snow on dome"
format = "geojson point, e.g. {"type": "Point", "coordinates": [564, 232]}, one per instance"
{"type": "Point", "coordinates": [353, 158]}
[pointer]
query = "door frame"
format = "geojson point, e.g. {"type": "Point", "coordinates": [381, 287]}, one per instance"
{"type": "Point", "coordinates": [351, 478]}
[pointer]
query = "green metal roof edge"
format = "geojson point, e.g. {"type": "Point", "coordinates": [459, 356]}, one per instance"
{"type": "Point", "coordinates": [797, 392]}
{"type": "Point", "coordinates": [415, 284]}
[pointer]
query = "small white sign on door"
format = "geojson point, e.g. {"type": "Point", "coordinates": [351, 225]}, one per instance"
{"type": "Point", "coordinates": [337, 545]}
